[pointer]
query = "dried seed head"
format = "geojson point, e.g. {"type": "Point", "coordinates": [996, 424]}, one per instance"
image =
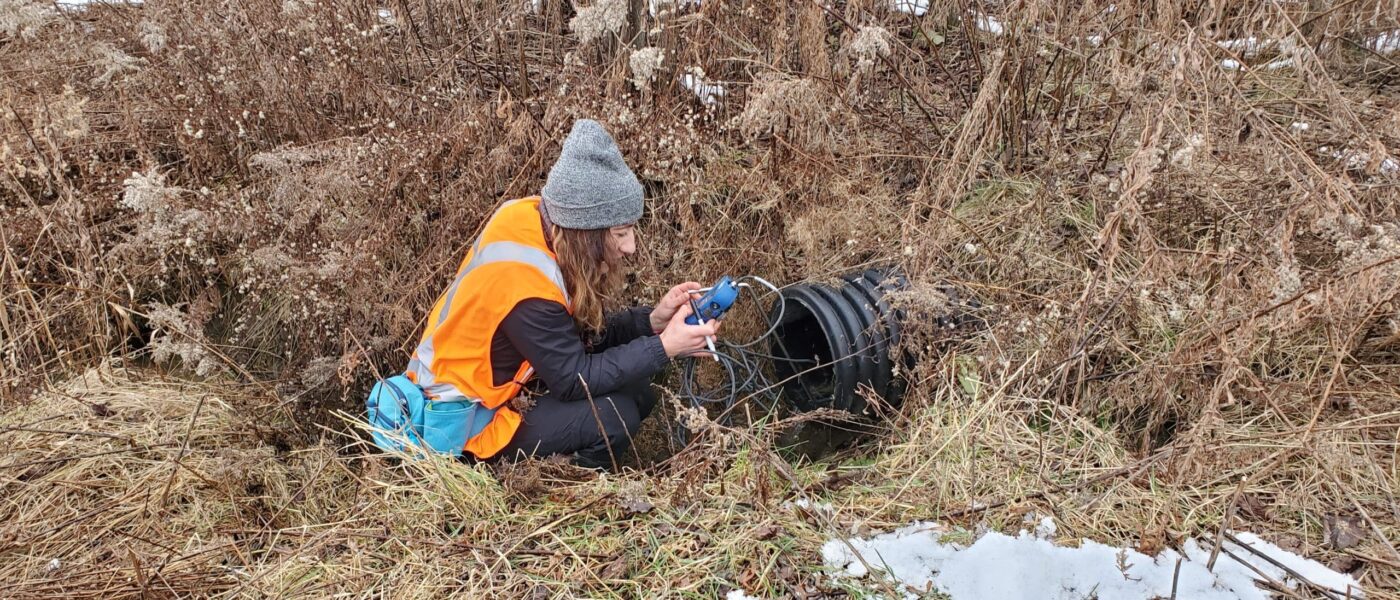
{"type": "Point", "coordinates": [644, 64]}
{"type": "Point", "coordinates": [592, 22]}
{"type": "Point", "coordinates": [869, 44]}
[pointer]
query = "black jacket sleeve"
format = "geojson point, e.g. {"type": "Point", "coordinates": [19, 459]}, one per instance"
{"type": "Point", "coordinates": [546, 335]}
{"type": "Point", "coordinates": [624, 326]}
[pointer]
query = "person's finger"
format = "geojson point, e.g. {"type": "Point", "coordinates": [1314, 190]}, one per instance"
{"type": "Point", "coordinates": [681, 293]}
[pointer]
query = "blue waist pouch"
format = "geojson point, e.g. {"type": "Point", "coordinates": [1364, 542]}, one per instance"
{"type": "Point", "coordinates": [403, 419]}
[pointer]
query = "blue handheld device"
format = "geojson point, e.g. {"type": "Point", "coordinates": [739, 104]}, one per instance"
{"type": "Point", "coordinates": [715, 302]}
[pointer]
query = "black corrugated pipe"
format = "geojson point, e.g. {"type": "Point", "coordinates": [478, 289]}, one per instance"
{"type": "Point", "coordinates": [829, 341]}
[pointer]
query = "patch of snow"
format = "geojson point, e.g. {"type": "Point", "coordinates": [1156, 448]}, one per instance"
{"type": "Point", "coordinates": [1246, 47]}
{"type": "Point", "coordinates": [740, 595]}
{"type": "Point", "coordinates": [1028, 566]}
{"type": "Point", "coordinates": [76, 5]}
{"type": "Point", "coordinates": [913, 7]}
{"type": "Point", "coordinates": [823, 507]}
{"type": "Point", "coordinates": [385, 15]}
{"type": "Point", "coordinates": [1299, 127]}
{"type": "Point", "coordinates": [1251, 47]}
{"type": "Point", "coordinates": [1385, 43]}
{"type": "Point", "coordinates": [989, 24]}
{"type": "Point", "coordinates": [708, 93]}
{"type": "Point", "coordinates": [1310, 569]}
{"type": "Point", "coordinates": [1356, 161]}
{"type": "Point", "coordinates": [910, 555]}
{"type": "Point", "coordinates": [1046, 529]}
{"type": "Point", "coordinates": [53, 566]}
{"type": "Point", "coordinates": [657, 7]}
{"type": "Point", "coordinates": [1094, 39]}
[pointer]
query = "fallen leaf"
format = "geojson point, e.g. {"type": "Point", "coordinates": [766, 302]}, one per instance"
{"type": "Point", "coordinates": [786, 572]}
{"type": "Point", "coordinates": [615, 569]}
{"type": "Point", "coordinates": [1289, 542]}
{"type": "Point", "coordinates": [766, 531]}
{"type": "Point", "coordinates": [923, 38]}
{"type": "Point", "coordinates": [1344, 564]}
{"type": "Point", "coordinates": [1341, 532]}
{"type": "Point", "coordinates": [1152, 541]}
{"type": "Point", "coordinates": [1254, 507]}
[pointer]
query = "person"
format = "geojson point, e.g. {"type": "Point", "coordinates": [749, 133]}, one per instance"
{"type": "Point", "coordinates": [527, 306]}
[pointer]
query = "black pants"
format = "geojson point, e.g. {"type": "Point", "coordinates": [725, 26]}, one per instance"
{"type": "Point", "coordinates": [553, 426]}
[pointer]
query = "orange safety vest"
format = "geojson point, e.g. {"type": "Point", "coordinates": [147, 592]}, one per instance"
{"type": "Point", "coordinates": [509, 262]}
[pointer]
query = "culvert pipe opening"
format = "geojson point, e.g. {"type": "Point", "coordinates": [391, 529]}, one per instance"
{"type": "Point", "coordinates": [830, 342]}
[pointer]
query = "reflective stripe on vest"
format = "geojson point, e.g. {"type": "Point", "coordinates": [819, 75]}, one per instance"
{"type": "Point", "coordinates": [494, 252]}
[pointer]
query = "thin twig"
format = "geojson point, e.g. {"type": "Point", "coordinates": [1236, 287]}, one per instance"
{"type": "Point", "coordinates": [599, 420]}
{"type": "Point", "coordinates": [1326, 591]}
{"type": "Point", "coordinates": [184, 446]}
{"type": "Point", "coordinates": [69, 432]}
{"type": "Point", "coordinates": [1225, 523]}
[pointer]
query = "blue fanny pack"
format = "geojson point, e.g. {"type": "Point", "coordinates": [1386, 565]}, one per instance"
{"type": "Point", "coordinates": [403, 419]}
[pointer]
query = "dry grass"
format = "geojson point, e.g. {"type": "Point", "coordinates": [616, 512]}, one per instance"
{"type": "Point", "coordinates": [120, 486]}
{"type": "Point", "coordinates": [1191, 273]}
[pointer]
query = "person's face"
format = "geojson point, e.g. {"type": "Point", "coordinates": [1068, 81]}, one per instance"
{"type": "Point", "coordinates": [621, 242]}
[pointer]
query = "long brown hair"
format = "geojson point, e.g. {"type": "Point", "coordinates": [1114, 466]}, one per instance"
{"type": "Point", "coordinates": [592, 285]}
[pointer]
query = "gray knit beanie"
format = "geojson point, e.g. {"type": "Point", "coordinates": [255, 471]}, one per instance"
{"type": "Point", "coordinates": [590, 186]}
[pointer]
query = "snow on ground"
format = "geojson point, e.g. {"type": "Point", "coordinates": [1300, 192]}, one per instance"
{"type": "Point", "coordinates": [1359, 160]}
{"type": "Point", "coordinates": [913, 7]}
{"type": "Point", "coordinates": [656, 7]}
{"type": "Point", "coordinates": [821, 507]}
{"type": "Point", "coordinates": [708, 93]}
{"type": "Point", "coordinates": [989, 24]}
{"type": "Point", "coordinates": [1385, 43]}
{"type": "Point", "coordinates": [918, 8]}
{"type": "Point", "coordinates": [1031, 566]}
{"type": "Point", "coordinates": [1248, 47]}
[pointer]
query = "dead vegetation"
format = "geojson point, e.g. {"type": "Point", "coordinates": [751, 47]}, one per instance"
{"type": "Point", "coordinates": [1181, 217]}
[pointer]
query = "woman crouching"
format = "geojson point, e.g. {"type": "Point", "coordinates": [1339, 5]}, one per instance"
{"type": "Point", "coordinates": [527, 303]}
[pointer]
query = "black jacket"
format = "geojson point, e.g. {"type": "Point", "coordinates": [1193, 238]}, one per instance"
{"type": "Point", "coordinates": [543, 332]}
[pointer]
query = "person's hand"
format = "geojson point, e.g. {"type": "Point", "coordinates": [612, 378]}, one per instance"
{"type": "Point", "coordinates": [665, 309]}
{"type": "Point", "coordinates": [679, 337]}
